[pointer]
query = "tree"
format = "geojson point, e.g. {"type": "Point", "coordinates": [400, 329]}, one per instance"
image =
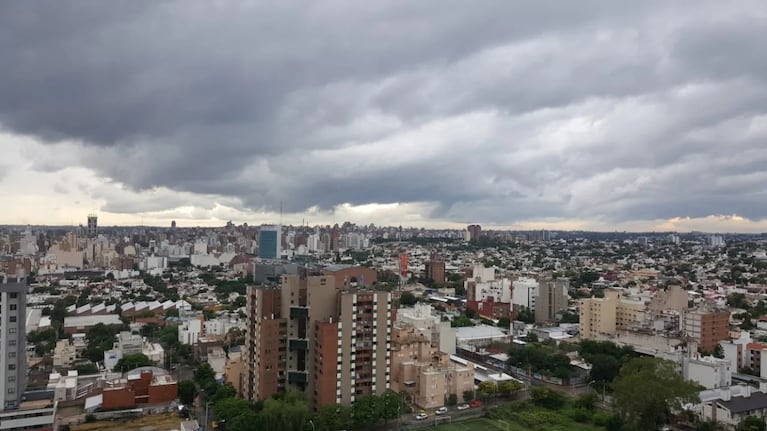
{"type": "Point", "coordinates": [131, 362]}
{"type": "Point", "coordinates": [526, 315]}
{"type": "Point", "coordinates": [547, 398]}
{"type": "Point", "coordinates": [186, 391]}
{"type": "Point", "coordinates": [461, 321]}
{"type": "Point", "coordinates": [229, 408]}
{"type": "Point", "coordinates": [604, 368]}
{"type": "Point", "coordinates": [487, 388]}
{"type": "Point", "coordinates": [366, 411]}
{"type": "Point", "coordinates": [333, 418]}
{"type": "Point", "coordinates": [468, 396]}
{"type": "Point", "coordinates": [407, 298]}
{"type": "Point", "coordinates": [569, 317]}
{"type": "Point", "coordinates": [751, 423]}
{"type": "Point", "coordinates": [86, 369]}
{"type": "Point", "coordinates": [507, 388]}
{"type": "Point", "coordinates": [243, 422]}
{"type": "Point", "coordinates": [390, 405]}
{"type": "Point", "coordinates": [287, 412]}
{"type": "Point", "coordinates": [504, 322]}
{"type": "Point", "coordinates": [737, 300]}
{"type": "Point", "coordinates": [648, 389]}
{"type": "Point", "coordinates": [452, 400]}
{"type": "Point", "coordinates": [205, 378]}
{"type": "Point", "coordinates": [718, 352]}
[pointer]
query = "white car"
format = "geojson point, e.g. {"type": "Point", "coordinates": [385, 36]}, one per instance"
{"type": "Point", "coordinates": [441, 410]}
{"type": "Point", "coordinates": [463, 407]}
{"type": "Point", "coordinates": [421, 416]}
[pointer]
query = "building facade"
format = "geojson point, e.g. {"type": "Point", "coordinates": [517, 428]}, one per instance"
{"type": "Point", "coordinates": [333, 344]}
{"type": "Point", "coordinates": [707, 328]}
{"type": "Point", "coordinates": [13, 336]}
{"type": "Point", "coordinates": [270, 242]}
{"type": "Point", "coordinates": [552, 299]}
{"type": "Point", "coordinates": [435, 270]}
{"type": "Point", "coordinates": [600, 317]}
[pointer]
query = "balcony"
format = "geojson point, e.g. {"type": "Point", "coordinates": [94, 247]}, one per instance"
{"type": "Point", "coordinates": [298, 344]}
{"type": "Point", "coordinates": [298, 312]}
{"type": "Point", "coordinates": [297, 377]}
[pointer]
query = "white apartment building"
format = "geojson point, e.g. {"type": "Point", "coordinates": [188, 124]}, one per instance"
{"type": "Point", "coordinates": [708, 371]}
{"type": "Point", "coordinates": [524, 292]}
{"type": "Point", "coordinates": [189, 331]}
{"type": "Point", "coordinates": [222, 325]}
{"type": "Point", "coordinates": [422, 319]}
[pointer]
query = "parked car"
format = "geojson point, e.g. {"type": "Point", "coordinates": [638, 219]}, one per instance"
{"type": "Point", "coordinates": [441, 410]}
{"type": "Point", "coordinates": [463, 407]}
{"type": "Point", "coordinates": [421, 416]}
{"type": "Point", "coordinates": [475, 404]}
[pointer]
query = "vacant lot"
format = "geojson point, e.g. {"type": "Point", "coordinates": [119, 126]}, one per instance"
{"type": "Point", "coordinates": [164, 422]}
{"type": "Point", "coordinates": [486, 424]}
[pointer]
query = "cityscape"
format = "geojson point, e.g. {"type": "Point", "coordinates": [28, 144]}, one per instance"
{"type": "Point", "coordinates": [436, 215]}
{"type": "Point", "coordinates": [350, 326]}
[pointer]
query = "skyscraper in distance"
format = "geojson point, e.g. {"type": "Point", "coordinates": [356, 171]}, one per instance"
{"type": "Point", "coordinates": [92, 225]}
{"type": "Point", "coordinates": [270, 242]}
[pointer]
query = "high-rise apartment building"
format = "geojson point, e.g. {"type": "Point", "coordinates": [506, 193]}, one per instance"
{"type": "Point", "coordinates": [13, 364]}
{"type": "Point", "coordinates": [435, 269]}
{"type": "Point", "coordinates": [265, 344]}
{"type": "Point", "coordinates": [552, 299]}
{"type": "Point", "coordinates": [270, 242]}
{"type": "Point", "coordinates": [307, 334]}
{"type": "Point", "coordinates": [707, 328]}
{"type": "Point", "coordinates": [93, 228]}
{"type": "Point", "coordinates": [600, 317]}
{"type": "Point", "coordinates": [474, 231]}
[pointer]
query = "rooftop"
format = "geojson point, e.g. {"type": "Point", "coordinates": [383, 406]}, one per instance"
{"type": "Point", "coordinates": [757, 401]}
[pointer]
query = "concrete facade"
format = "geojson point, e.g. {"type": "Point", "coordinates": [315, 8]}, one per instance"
{"type": "Point", "coordinates": [13, 336]}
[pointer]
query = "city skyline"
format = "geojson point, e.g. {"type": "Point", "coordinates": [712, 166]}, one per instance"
{"type": "Point", "coordinates": [600, 116]}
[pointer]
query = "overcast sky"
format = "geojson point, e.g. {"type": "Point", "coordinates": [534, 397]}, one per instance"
{"type": "Point", "coordinates": [638, 115]}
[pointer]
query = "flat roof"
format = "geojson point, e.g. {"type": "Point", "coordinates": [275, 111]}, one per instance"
{"type": "Point", "coordinates": [479, 332]}
{"type": "Point", "coordinates": [83, 321]}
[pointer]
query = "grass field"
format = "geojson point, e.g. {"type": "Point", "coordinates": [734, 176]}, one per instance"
{"type": "Point", "coordinates": [486, 424]}
{"type": "Point", "coordinates": [164, 422]}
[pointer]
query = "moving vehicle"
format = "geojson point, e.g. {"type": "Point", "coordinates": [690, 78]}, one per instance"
{"type": "Point", "coordinates": [441, 410]}
{"type": "Point", "coordinates": [463, 407]}
{"type": "Point", "coordinates": [421, 416]}
{"type": "Point", "coordinates": [475, 404]}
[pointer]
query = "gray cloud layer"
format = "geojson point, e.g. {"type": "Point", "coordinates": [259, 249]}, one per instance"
{"type": "Point", "coordinates": [495, 110]}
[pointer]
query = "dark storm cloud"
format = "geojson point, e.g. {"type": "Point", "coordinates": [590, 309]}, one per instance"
{"type": "Point", "coordinates": [492, 110]}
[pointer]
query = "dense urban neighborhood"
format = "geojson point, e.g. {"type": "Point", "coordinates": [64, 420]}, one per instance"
{"type": "Point", "coordinates": [353, 327]}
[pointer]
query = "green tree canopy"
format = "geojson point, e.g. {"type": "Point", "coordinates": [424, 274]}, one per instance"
{"type": "Point", "coordinates": [752, 423]}
{"type": "Point", "coordinates": [407, 298]}
{"type": "Point", "coordinates": [186, 391]}
{"type": "Point", "coordinates": [131, 362]}
{"type": "Point", "coordinates": [647, 389]}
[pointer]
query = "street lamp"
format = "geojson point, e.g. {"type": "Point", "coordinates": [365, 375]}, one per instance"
{"type": "Point", "coordinates": [603, 389]}
{"type": "Point", "coordinates": [205, 427]}
{"type": "Point", "coordinates": [312, 424]}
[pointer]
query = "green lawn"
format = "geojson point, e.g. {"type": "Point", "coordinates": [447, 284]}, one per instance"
{"type": "Point", "coordinates": [554, 422]}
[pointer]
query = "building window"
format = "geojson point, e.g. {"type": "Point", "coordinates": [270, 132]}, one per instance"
{"type": "Point", "coordinates": [11, 367]}
{"type": "Point", "coordinates": [11, 390]}
{"type": "Point", "coordinates": [12, 319]}
{"type": "Point", "coordinates": [11, 379]}
{"type": "Point", "coordinates": [12, 307]}
{"type": "Point", "coordinates": [11, 342]}
{"type": "Point", "coordinates": [11, 354]}
{"type": "Point", "coordinates": [14, 295]}
{"type": "Point", "coordinates": [11, 330]}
